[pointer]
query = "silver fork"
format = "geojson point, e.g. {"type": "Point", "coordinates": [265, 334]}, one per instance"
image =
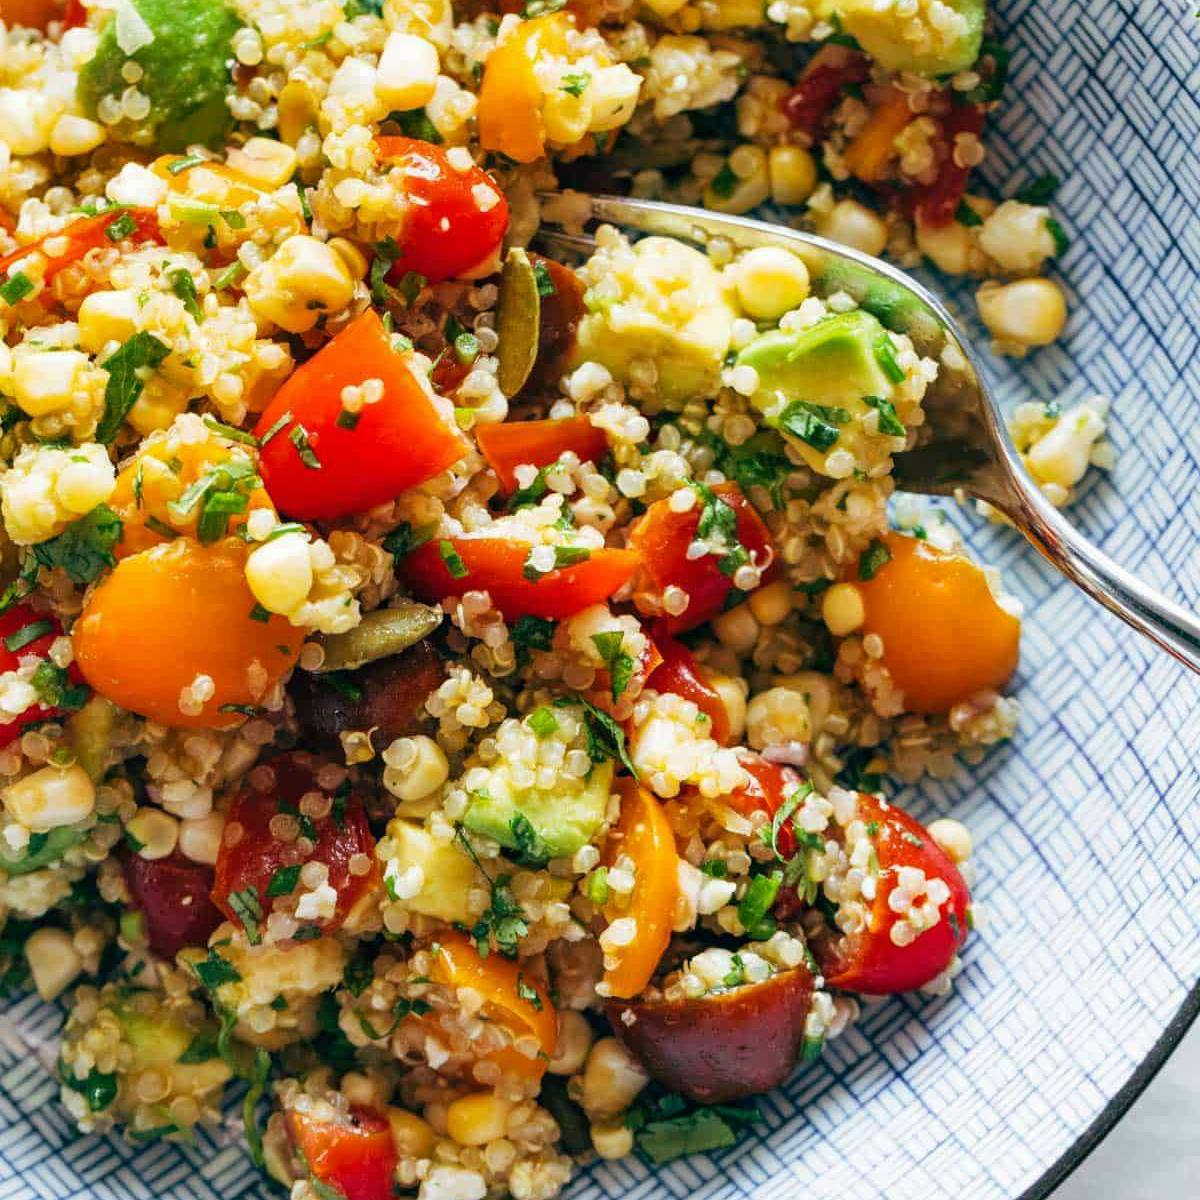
{"type": "Point", "coordinates": [966, 450]}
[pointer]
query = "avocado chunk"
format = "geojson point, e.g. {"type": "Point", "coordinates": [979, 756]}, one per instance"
{"type": "Point", "coordinates": [183, 49]}
{"type": "Point", "coordinates": [658, 303]}
{"type": "Point", "coordinates": [44, 850]}
{"type": "Point", "coordinates": [914, 43]}
{"type": "Point", "coordinates": [536, 823]}
{"type": "Point", "coordinates": [815, 386]}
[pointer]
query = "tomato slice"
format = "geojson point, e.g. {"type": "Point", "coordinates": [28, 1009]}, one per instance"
{"type": "Point", "coordinates": [172, 895]}
{"type": "Point", "coordinates": [497, 566]}
{"type": "Point", "coordinates": [680, 674]}
{"type": "Point", "coordinates": [88, 233]}
{"type": "Point", "coordinates": [16, 626]}
{"type": "Point", "coordinates": [253, 859]}
{"type": "Point", "coordinates": [661, 537]}
{"type": "Point", "coordinates": [356, 1156]}
{"type": "Point", "coordinates": [316, 468]}
{"type": "Point", "coordinates": [833, 68]}
{"type": "Point", "coordinates": [870, 961]}
{"type": "Point", "coordinates": [456, 220]}
{"type": "Point", "coordinates": [512, 444]}
{"type": "Point", "coordinates": [937, 202]}
{"type": "Point", "coordinates": [562, 309]}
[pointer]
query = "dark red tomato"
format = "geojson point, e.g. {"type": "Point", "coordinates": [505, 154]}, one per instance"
{"type": "Point", "coordinates": [172, 895]}
{"type": "Point", "coordinates": [558, 320]}
{"type": "Point", "coordinates": [86, 234]}
{"type": "Point", "coordinates": [318, 466]}
{"type": "Point", "coordinates": [450, 567]}
{"type": "Point", "coordinates": [355, 1156]}
{"type": "Point", "coordinates": [661, 538]}
{"type": "Point", "coordinates": [680, 674]}
{"type": "Point", "coordinates": [511, 444]}
{"type": "Point", "coordinates": [832, 69]}
{"type": "Point", "coordinates": [16, 627]}
{"type": "Point", "coordinates": [937, 202]}
{"type": "Point", "coordinates": [456, 219]}
{"type": "Point", "coordinates": [869, 961]}
{"type": "Point", "coordinates": [253, 858]}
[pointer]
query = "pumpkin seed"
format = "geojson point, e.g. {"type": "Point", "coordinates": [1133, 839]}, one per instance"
{"type": "Point", "coordinates": [518, 320]}
{"type": "Point", "coordinates": [380, 634]}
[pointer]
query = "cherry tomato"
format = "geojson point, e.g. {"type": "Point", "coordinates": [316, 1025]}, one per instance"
{"type": "Point", "coordinates": [937, 202]}
{"type": "Point", "coordinates": [354, 1156]}
{"type": "Point", "coordinates": [319, 466]}
{"type": "Point", "coordinates": [945, 638]}
{"type": "Point", "coordinates": [254, 859]}
{"type": "Point", "coordinates": [724, 1046]}
{"type": "Point", "coordinates": [148, 485]}
{"type": "Point", "coordinates": [31, 14]}
{"type": "Point", "coordinates": [511, 444]}
{"type": "Point", "coordinates": [870, 961]}
{"type": "Point", "coordinates": [456, 220]}
{"type": "Point", "coordinates": [172, 896]}
{"type": "Point", "coordinates": [680, 674]}
{"type": "Point", "coordinates": [643, 833]}
{"type": "Point", "coordinates": [874, 146]}
{"type": "Point", "coordinates": [510, 97]}
{"type": "Point", "coordinates": [16, 626]}
{"type": "Point", "coordinates": [558, 320]}
{"type": "Point", "coordinates": [175, 612]}
{"type": "Point", "coordinates": [452, 567]}
{"type": "Point", "coordinates": [661, 537]}
{"type": "Point", "coordinates": [832, 69]}
{"type": "Point", "coordinates": [88, 233]}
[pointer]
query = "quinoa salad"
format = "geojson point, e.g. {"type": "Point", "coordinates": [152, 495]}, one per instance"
{"type": "Point", "coordinates": [448, 695]}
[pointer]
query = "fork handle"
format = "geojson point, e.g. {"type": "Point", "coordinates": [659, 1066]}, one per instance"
{"type": "Point", "coordinates": [1169, 625]}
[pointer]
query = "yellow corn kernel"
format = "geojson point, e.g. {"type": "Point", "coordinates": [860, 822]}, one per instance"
{"type": "Point", "coordinates": [744, 186]}
{"type": "Point", "coordinates": [153, 833]}
{"type": "Point", "coordinates": [953, 837]}
{"type": "Point", "coordinates": [478, 1119]}
{"type": "Point", "coordinates": [574, 1042]}
{"type": "Point", "coordinates": [351, 255]}
{"type": "Point", "coordinates": [280, 573]}
{"type": "Point", "coordinates": [793, 174]}
{"type": "Point", "coordinates": [843, 610]}
{"type": "Point", "coordinates": [770, 281]}
{"type": "Point", "coordinates": [107, 317]}
{"type": "Point", "coordinates": [612, 1140]}
{"type": "Point", "coordinates": [45, 382]}
{"type": "Point", "coordinates": [408, 71]}
{"type": "Point", "coordinates": [1029, 312]}
{"type": "Point", "coordinates": [412, 1136]}
{"type": "Point", "coordinates": [51, 797]}
{"type": "Point", "coordinates": [855, 225]}
{"type": "Point", "coordinates": [303, 280]}
{"type": "Point", "coordinates": [53, 961]}
{"type": "Point", "coordinates": [264, 161]}
{"type": "Point", "coordinates": [297, 109]}
{"type": "Point", "coordinates": [612, 1079]}
{"type": "Point", "coordinates": [73, 135]}
{"type": "Point", "coordinates": [200, 838]}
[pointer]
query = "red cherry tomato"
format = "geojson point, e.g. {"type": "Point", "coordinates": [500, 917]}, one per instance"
{"type": "Point", "coordinates": [253, 858]}
{"type": "Point", "coordinates": [936, 203]}
{"type": "Point", "coordinates": [317, 469]}
{"type": "Point", "coordinates": [497, 566]}
{"type": "Point", "coordinates": [457, 219]}
{"type": "Point", "coordinates": [869, 961]}
{"type": "Point", "coordinates": [770, 785]}
{"type": "Point", "coordinates": [661, 537]}
{"type": "Point", "coordinates": [355, 1156]}
{"type": "Point", "coordinates": [88, 233]}
{"type": "Point", "coordinates": [15, 627]}
{"type": "Point", "coordinates": [512, 444]}
{"type": "Point", "coordinates": [680, 673]}
{"type": "Point", "coordinates": [172, 894]}
{"type": "Point", "coordinates": [832, 69]}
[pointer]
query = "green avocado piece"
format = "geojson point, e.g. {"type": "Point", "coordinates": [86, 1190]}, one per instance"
{"type": "Point", "coordinates": [44, 849]}
{"type": "Point", "coordinates": [161, 1042]}
{"type": "Point", "coordinates": [541, 824]}
{"type": "Point", "coordinates": [880, 31]}
{"type": "Point", "coordinates": [185, 70]}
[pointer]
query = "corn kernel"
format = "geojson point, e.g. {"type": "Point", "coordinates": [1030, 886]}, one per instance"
{"type": "Point", "coordinates": [408, 71]}
{"type": "Point", "coordinates": [53, 961]}
{"type": "Point", "coordinates": [750, 187]}
{"type": "Point", "coordinates": [412, 1136]}
{"type": "Point", "coordinates": [351, 255]}
{"type": "Point", "coordinates": [953, 837]}
{"type": "Point", "coordinates": [107, 317]}
{"type": "Point", "coordinates": [793, 174]}
{"type": "Point", "coordinates": [200, 838]}
{"type": "Point", "coordinates": [73, 135]}
{"type": "Point", "coordinates": [51, 797]}
{"type": "Point", "coordinates": [303, 280]}
{"type": "Point", "coordinates": [420, 770]}
{"type": "Point", "coordinates": [154, 833]}
{"type": "Point", "coordinates": [478, 1119]}
{"type": "Point", "coordinates": [612, 1140]}
{"type": "Point", "coordinates": [280, 573]}
{"type": "Point", "coordinates": [1029, 312]}
{"type": "Point", "coordinates": [45, 382]}
{"type": "Point", "coordinates": [732, 693]}
{"type": "Point", "coordinates": [612, 1079]}
{"type": "Point", "coordinates": [856, 226]}
{"type": "Point", "coordinates": [574, 1042]}
{"type": "Point", "coordinates": [264, 161]}
{"type": "Point", "coordinates": [770, 281]}
{"type": "Point", "coordinates": [843, 609]}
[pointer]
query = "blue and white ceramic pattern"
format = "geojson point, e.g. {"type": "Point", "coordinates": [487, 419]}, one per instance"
{"type": "Point", "coordinates": [1087, 827]}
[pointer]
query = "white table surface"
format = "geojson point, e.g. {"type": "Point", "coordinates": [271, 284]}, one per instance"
{"type": "Point", "coordinates": [1154, 1152]}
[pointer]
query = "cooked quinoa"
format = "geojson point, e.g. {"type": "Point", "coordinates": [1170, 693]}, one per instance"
{"type": "Point", "coordinates": [452, 691]}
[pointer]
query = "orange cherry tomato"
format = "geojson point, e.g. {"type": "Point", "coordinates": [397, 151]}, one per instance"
{"type": "Point", "coordinates": [874, 146]}
{"type": "Point", "coordinates": [512, 444]}
{"type": "Point", "coordinates": [88, 233]}
{"type": "Point", "coordinates": [456, 220]}
{"type": "Point", "coordinates": [16, 643]}
{"type": "Point", "coordinates": [870, 961]}
{"type": "Point", "coordinates": [257, 857]}
{"type": "Point", "coordinates": [159, 475]}
{"type": "Point", "coordinates": [174, 612]}
{"type": "Point", "coordinates": [945, 637]}
{"type": "Point", "coordinates": [661, 536]}
{"type": "Point", "coordinates": [680, 673]}
{"type": "Point", "coordinates": [503, 984]}
{"type": "Point", "coordinates": [31, 14]}
{"type": "Point", "coordinates": [497, 566]}
{"type": "Point", "coordinates": [319, 466]}
{"type": "Point", "coordinates": [643, 832]}
{"type": "Point", "coordinates": [354, 1156]}
{"type": "Point", "coordinates": [510, 97]}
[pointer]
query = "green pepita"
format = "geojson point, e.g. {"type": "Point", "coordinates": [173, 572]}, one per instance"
{"type": "Point", "coordinates": [380, 634]}
{"type": "Point", "coordinates": [518, 320]}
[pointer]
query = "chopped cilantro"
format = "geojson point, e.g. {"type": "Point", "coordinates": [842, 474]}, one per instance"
{"type": "Point", "coordinates": [84, 548]}
{"type": "Point", "coordinates": [889, 422]}
{"type": "Point", "coordinates": [885, 356]}
{"type": "Point", "coordinates": [247, 908]}
{"type": "Point", "coordinates": [283, 881]}
{"type": "Point", "coordinates": [141, 352]}
{"type": "Point", "coordinates": [415, 123]}
{"type": "Point", "coordinates": [529, 994]}
{"type": "Point", "coordinates": [404, 539]}
{"type": "Point", "coordinates": [16, 287]}
{"type": "Point", "coordinates": [1061, 241]}
{"type": "Point", "coordinates": [618, 662]}
{"type": "Point", "coordinates": [386, 253]}
{"type": "Point", "coordinates": [964, 214]}
{"type": "Point", "coordinates": [184, 286]}
{"type": "Point", "coordinates": [814, 424]}
{"type": "Point", "coordinates": [873, 557]}
{"type": "Point", "coordinates": [1039, 191]}
{"type": "Point", "coordinates": [724, 182]}
{"type": "Point", "coordinates": [575, 84]}
{"type": "Point", "coordinates": [535, 633]}
{"type": "Point", "coordinates": [214, 971]}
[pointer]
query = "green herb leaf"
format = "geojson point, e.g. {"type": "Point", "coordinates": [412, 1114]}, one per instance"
{"type": "Point", "coordinates": [122, 227]}
{"type": "Point", "coordinates": [415, 123]}
{"type": "Point", "coordinates": [452, 559]}
{"type": "Point", "coordinates": [534, 633]}
{"type": "Point", "coordinates": [202, 1048]}
{"type": "Point", "coordinates": [889, 422]}
{"type": "Point", "coordinates": [215, 971]}
{"type": "Point", "coordinates": [757, 902]}
{"type": "Point", "coordinates": [575, 84]}
{"type": "Point", "coordinates": [529, 994]}
{"type": "Point", "coordinates": [564, 556]}
{"type": "Point", "coordinates": [619, 663]}
{"type": "Point", "coordinates": [964, 214]}
{"type": "Point", "coordinates": [545, 282]}
{"type": "Point", "coordinates": [184, 286]}
{"type": "Point", "coordinates": [873, 557]}
{"type": "Point", "coordinates": [56, 689]}
{"type": "Point", "coordinates": [247, 908]}
{"type": "Point", "coordinates": [20, 638]}
{"type": "Point", "coordinates": [1039, 191]}
{"type": "Point", "coordinates": [724, 182]}
{"type": "Point", "coordinates": [84, 548]}
{"type": "Point", "coordinates": [15, 288]}
{"type": "Point", "coordinates": [1061, 242]}
{"type": "Point", "coordinates": [386, 253]}
{"type": "Point", "coordinates": [98, 1088]}
{"type": "Point", "coordinates": [283, 881]}
{"type": "Point", "coordinates": [141, 352]}
{"type": "Point", "coordinates": [606, 738]}
{"type": "Point", "coordinates": [814, 424]}
{"type": "Point", "coordinates": [885, 356]}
